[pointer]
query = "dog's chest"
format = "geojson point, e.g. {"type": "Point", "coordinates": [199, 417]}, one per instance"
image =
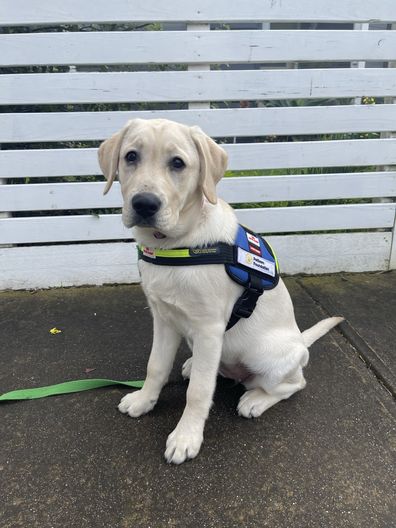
{"type": "Point", "coordinates": [185, 293]}
{"type": "Point", "coordinates": [172, 286]}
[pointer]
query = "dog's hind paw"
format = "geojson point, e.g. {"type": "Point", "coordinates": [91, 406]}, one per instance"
{"type": "Point", "coordinates": [254, 402]}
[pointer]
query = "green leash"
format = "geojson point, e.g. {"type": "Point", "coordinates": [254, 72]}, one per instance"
{"type": "Point", "coordinates": [65, 388]}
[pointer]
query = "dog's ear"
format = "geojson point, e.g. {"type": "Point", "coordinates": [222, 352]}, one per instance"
{"type": "Point", "coordinates": [108, 154]}
{"type": "Point", "coordinates": [213, 163]}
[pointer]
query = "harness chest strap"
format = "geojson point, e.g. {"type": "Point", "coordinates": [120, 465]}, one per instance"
{"type": "Point", "coordinates": [250, 262]}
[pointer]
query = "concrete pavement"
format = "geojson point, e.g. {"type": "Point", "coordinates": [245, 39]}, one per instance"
{"type": "Point", "coordinates": [324, 458]}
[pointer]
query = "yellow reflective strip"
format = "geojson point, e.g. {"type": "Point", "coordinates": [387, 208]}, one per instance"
{"type": "Point", "coordinates": [275, 257]}
{"type": "Point", "coordinates": [172, 253]}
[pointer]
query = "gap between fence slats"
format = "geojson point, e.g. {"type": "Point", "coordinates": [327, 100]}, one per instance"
{"type": "Point", "coordinates": [26, 12]}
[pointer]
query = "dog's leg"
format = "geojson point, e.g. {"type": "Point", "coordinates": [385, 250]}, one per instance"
{"type": "Point", "coordinates": [186, 439]}
{"type": "Point", "coordinates": [260, 397]}
{"type": "Point", "coordinates": [186, 368]}
{"type": "Point", "coordinates": [166, 341]}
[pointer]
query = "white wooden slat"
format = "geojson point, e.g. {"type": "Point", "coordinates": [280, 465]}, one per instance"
{"type": "Point", "coordinates": [33, 230]}
{"type": "Point", "coordinates": [318, 217]}
{"type": "Point", "coordinates": [49, 162]}
{"type": "Point", "coordinates": [171, 86]}
{"type": "Point", "coordinates": [89, 195]}
{"type": "Point", "coordinates": [69, 126]}
{"type": "Point", "coordinates": [68, 265]}
{"type": "Point", "coordinates": [242, 156]}
{"type": "Point", "coordinates": [308, 187]}
{"type": "Point", "coordinates": [332, 253]}
{"type": "Point", "coordinates": [96, 264]}
{"type": "Point", "coordinates": [58, 196]}
{"type": "Point", "coordinates": [342, 153]}
{"type": "Point", "coordinates": [25, 12]}
{"type": "Point", "coordinates": [157, 47]}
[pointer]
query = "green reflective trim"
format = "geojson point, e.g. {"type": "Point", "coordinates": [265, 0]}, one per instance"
{"type": "Point", "coordinates": [172, 253]}
{"type": "Point", "coordinates": [169, 253]}
{"type": "Point", "coordinates": [65, 388]}
{"type": "Point", "coordinates": [274, 255]}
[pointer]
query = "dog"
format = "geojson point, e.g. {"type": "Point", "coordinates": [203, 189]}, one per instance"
{"type": "Point", "coordinates": [168, 174]}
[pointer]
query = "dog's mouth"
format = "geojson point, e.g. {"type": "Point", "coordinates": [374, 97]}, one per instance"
{"type": "Point", "coordinates": [135, 220]}
{"type": "Point", "coordinates": [150, 223]}
{"type": "Point", "coordinates": [144, 222]}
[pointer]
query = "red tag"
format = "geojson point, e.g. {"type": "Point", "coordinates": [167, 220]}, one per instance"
{"type": "Point", "coordinates": [148, 252]}
{"type": "Point", "coordinates": [256, 251]}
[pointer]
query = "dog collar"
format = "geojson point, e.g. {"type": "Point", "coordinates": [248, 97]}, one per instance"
{"type": "Point", "coordinates": [250, 261]}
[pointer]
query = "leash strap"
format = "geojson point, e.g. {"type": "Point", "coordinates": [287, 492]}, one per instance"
{"type": "Point", "coordinates": [65, 388]}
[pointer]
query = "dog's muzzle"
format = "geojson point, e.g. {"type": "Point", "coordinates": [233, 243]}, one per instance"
{"type": "Point", "coordinates": [145, 204]}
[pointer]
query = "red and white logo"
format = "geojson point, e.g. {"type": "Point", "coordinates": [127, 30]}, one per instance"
{"type": "Point", "coordinates": [148, 252]}
{"type": "Point", "coordinates": [253, 239]}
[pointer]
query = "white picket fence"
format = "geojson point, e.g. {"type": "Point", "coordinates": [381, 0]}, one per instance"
{"type": "Point", "coordinates": [74, 249]}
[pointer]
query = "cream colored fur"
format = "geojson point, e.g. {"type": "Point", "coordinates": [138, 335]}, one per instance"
{"type": "Point", "coordinates": [195, 302]}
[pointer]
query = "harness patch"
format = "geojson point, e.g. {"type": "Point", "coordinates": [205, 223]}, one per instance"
{"type": "Point", "coordinates": [205, 251]}
{"type": "Point", "coordinates": [255, 262]}
{"type": "Point", "coordinates": [253, 239]}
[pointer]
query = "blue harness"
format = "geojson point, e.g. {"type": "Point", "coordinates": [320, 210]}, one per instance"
{"type": "Point", "coordinates": [250, 262]}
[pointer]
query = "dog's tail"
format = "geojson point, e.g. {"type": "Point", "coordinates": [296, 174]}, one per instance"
{"type": "Point", "coordinates": [320, 329]}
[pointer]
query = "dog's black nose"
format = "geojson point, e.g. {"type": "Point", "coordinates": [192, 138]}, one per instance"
{"type": "Point", "coordinates": [146, 204]}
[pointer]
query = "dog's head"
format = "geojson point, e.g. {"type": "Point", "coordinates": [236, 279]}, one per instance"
{"type": "Point", "coordinates": [164, 168]}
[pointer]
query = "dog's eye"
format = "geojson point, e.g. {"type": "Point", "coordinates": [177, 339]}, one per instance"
{"type": "Point", "coordinates": [177, 163]}
{"type": "Point", "coordinates": [132, 156]}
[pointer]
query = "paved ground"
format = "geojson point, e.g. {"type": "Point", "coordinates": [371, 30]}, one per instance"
{"type": "Point", "coordinates": [321, 459]}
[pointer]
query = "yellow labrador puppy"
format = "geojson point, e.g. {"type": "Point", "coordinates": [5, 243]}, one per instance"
{"type": "Point", "coordinates": [168, 174]}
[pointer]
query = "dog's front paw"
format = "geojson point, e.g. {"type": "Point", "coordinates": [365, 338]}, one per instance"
{"type": "Point", "coordinates": [136, 403]}
{"type": "Point", "coordinates": [182, 445]}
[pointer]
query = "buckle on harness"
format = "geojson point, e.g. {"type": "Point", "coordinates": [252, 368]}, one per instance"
{"type": "Point", "coordinates": [244, 306]}
{"type": "Point", "coordinates": [240, 310]}
{"type": "Point", "coordinates": [246, 303]}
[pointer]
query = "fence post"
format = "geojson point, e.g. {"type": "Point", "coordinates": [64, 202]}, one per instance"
{"type": "Point", "coordinates": [391, 100]}
{"type": "Point", "coordinates": [198, 67]}
{"type": "Point", "coordinates": [392, 256]}
{"type": "Point", "coordinates": [4, 214]}
{"type": "Point", "coordinates": [359, 64]}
